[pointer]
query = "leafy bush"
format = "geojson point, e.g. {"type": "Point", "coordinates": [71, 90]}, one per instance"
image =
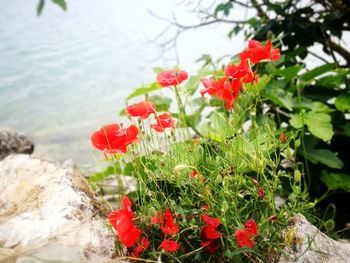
{"type": "Point", "coordinates": [207, 190]}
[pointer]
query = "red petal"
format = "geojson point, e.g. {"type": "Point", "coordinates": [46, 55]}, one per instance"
{"type": "Point", "coordinates": [142, 109]}
{"type": "Point", "coordinates": [210, 232]}
{"type": "Point", "coordinates": [254, 44]}
{"type": "Point", "coordinates": [171, 77]}
{"type": "Point", "coordinates": [251, 227]}
{"type": "Point", "coordinates": [102, 138]}
{"type": "Point", "coordinates": [169, 246]}
{"type": "Point", "coordinates": [212, 221]}
{"type": "Point", "coordinates": [243, 239]}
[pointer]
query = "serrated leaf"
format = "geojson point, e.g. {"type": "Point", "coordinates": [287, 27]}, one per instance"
{"type": "Point", "coordinates": [144, 89]}
{"type": "Point", "coordinates": [319, 124]}
{"type": "Point", "coordinates": [342, 102]}
{"type": "Point", "coordinates": [312, 74]}
{"type": "Point", "coordinates": [296, 121]}
{"type": "Point", "coordinates": [336, 181]}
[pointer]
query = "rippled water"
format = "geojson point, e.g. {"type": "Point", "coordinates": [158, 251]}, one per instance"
{"type": "Point", "coordinates": [65, 74]}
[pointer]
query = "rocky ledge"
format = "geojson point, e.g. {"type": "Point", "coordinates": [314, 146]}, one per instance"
{"type": "Point", "coordinates": [48, 213]}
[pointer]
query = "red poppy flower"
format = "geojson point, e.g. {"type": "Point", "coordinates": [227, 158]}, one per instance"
{"type": "Point", "coordinates": [251, 227]}
{"type": "Point", "coordinates": [112, 139]}
{"type": "Point", "coordinates": [243, 72]}
{"type": "Point", "coordinates": [121, 220]}
{"type": "Point", "coordinates": [142, 109]}
{"type": "Point", "coordinates": [163, 121]}
{"type": "Point", "coordinates": [169, 246]}
{"type": "Point", "coordinates": [257, 52]}
{"type": "Point", "coordinates": [226, 89]}
{"type": "Point", "coordinates": [244, 237]}
{"type": "Point", "coordinates": [209, 234]}
{"type": "Point", "coordinates": [169, 228]}
{"type": "Point", "coordinates": [140, 248]}
{"type": "Point", "coordinates": [171, 77]}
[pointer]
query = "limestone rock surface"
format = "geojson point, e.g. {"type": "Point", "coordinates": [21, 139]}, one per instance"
{"type": "Point", "coordinates": [312, 246]}
{"type": "Point", "coordinates": [48, 213]}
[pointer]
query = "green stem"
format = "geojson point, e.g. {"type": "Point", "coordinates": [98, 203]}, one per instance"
{"type": "Point", "coordinates": [183, 112]}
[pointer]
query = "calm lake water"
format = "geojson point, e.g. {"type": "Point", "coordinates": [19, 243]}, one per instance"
{"type": "Point", "coordinates": [65, 74]}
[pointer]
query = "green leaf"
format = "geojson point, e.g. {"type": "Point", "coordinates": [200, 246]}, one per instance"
{"type": "Point", "coordinates": [161, 103]}
{"type": "Point", "coordinates": [333, 81]}
{"type": "Point", "coordinates": [40, 7]}
{"type": "Point", "coordinates": [275, 91]}
{"type": "Point", "coordinates": [312, 74]}
{"type": "Point", "coordinates": [193, 82]}
{"type": "Point", "coordinates": [296, 121]}
{"type": "Point", "coordinates": [319, 125]}
{"type": "Point", "coordinates": [346, 129]}
{"type": "Point", "coordinates": [60, 3]}
{"type": "Point", "coordinates": [336, 181]}
{"type": "Point", "coordinates": [342, 102]}
{"type": "Point", "coordinates": [100, 176]}
{"type": "Point", "coordinates": [206, 59]}
{"type": "Point", "coordinates": [224, 7]}
{"type": "Point", "coordinates": [144, 89]}
{"type": "Point", "coordinates": [291, 72]}
{"type": "Point", "coordinates": [123, 112]}
{"type": "Point", "coordinates": [325, 157]}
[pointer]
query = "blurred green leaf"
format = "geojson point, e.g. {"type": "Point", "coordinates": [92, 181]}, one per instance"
{"type": "Point", "coordinates": [144, 89]}
{"type": "Point", "coordinates": [275, 91]}
{"type": "Point", "coordinates": [342, 102]}
{"type": "Point", "coordinates": [336, 181]}
{"type": "Point", "coordinates": [160, 102]}
{"type": "Point", "coordinates": [346, 129]}
{"type": "Point", "coordinates": [333, 81]}
{"type": "Point", "coordinates": [223, 7]}
{"type": "Point", "coordinates": [193, 82]}
{"type": "Point", "coordinates": [206, 59]}
{"type": "Point", "coordinates": [123, 112]}
{"type": "Point", "coordinates": [312, 74]}
{"type": "Point", "coordinates": [291, 72]}
{"type": "Point", "coordinates": [325, 157]}
{"type": "Point", "coordinates": [60, 3]}
{"type": "Point", "coordinates": [296, 121]}
{"type": "Point", "coordinates": [319, 125]}
{"type": "Point", "coordinates": [100, 176]}
{"type": "Point", "coordinates": [40, 7]}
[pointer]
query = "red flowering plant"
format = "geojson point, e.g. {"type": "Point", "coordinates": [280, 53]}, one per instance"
{"type": "Point", "coordinates": [206, 172]}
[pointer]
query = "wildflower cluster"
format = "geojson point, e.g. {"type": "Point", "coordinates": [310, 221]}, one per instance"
{"type": "Point", "coordinates": [204, 199]}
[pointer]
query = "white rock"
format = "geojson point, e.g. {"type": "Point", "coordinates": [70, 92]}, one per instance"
{"type": "Point", "coordinates": [43, 206]}
{"type": "Point", "coordinates": [312, 246]}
